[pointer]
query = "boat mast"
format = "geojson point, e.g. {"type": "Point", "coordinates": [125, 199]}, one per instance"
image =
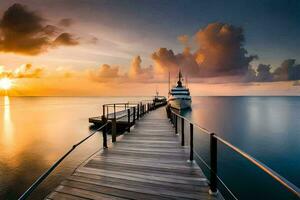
{"type": "Point", "coordinates": [186, 81]}
{"type": "Point", "coordinates": [169, 85]}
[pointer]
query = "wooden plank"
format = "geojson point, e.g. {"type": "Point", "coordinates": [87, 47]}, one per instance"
{"type": "Point", "coordinates": [64, 196]}
{"type": "Point", "coordinates": [147, 163]}
{"type": "Point", "coordinates": [85, 194]}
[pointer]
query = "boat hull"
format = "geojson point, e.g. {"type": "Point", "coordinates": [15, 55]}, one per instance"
{"type": "Point", "coordinates": [180, 104]}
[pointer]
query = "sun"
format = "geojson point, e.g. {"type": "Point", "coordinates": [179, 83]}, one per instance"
{"type": "Point", "coordinates": [5, 83]}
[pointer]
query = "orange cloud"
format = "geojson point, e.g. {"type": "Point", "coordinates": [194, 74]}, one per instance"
{"type": "Point", "coordinates": [219, 52]}
{"type": "Point", "coordinates": [106, 73]}
{"type": "Point", "coordinates": [24, 71]}
{"type": "Point", "coordinates": [136, 72]}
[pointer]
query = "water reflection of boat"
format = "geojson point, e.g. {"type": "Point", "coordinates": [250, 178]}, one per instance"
{"type": "Point", "coordinates": [179, 96]}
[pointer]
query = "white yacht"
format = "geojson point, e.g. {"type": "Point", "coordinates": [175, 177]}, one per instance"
{"type": "Point", "coordinates": [179, 96]}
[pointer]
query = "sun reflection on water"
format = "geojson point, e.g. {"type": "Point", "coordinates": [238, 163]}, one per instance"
{"type": "Point", "coordinates": [7, 124]}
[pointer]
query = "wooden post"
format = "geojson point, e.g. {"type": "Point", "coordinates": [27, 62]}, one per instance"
{"type": "Point", "coordinates": [213, 164]}
{"type": "Point", "coordinates": [191, 142]}
{"type": "Point", "coordinates": [114, 130]}
{"type": "Point", "coordinates": [128, 114]}
{"type": "Point", "coordinates": [182, 132]}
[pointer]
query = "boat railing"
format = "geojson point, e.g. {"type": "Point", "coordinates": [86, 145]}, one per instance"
{"type": "Point", "coordinates": [133, 112]}
{"type": "Point", "coordinates": [212, 166]}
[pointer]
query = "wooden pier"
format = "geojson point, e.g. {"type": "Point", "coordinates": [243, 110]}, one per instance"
{"type": "Point", "coordinates": [146, 163]}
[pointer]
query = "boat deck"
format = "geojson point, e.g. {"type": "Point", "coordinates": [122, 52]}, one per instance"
{"type": "Point", "coordinates": [147, 163]}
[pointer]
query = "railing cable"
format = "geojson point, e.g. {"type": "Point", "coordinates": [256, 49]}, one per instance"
{"type": "Point", "coordinates": [46, 174]}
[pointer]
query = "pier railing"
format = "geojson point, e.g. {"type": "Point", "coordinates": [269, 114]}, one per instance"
{"type": "Point", "coordinates": [131, 111]}
{"type": "Point", "coordinates": [214, 180]}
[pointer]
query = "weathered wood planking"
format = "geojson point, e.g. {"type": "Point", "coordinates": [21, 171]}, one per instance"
{"type": "Point", "coordinates": [147, 163]}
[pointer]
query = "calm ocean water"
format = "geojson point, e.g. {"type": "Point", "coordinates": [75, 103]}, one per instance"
{"type": "Point", "coordinates": [35, 131]}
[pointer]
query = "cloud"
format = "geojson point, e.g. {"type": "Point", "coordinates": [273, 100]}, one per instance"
{"type": "Point", "coordinates": [263, 73]}
{"type": "Point", "coordinates": [288, 70]}
{"type": "Point", "coordinates": [66, 22]}
{"type": "Point", "coordinates": [220, 51]}
{"type": "Point", "coordinates": [23, 32]}
{"type": "Point", "coordinates": [24, 71]}
{"type": "Point", "coordinates": [65, 39]}
{"type": "Point", "coordinates": [106, 73]}
{"type": "Point", "coordinates": [136, 72]}
{"type": "Point", "coordinates": [183, 39]}
{"type": "Point", "coordinates": [51, 30]}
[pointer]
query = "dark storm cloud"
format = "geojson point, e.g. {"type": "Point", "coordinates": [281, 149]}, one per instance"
{"type": "Point", "coordinates": [220, 51]}
{"type": "Point", "coordinates": [23, 31]}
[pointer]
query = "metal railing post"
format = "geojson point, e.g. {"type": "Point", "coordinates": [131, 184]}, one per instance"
{"type": "Point", "coordinates": [182, 132]}
{"type": "Point", "coordinates": [191, 142]}
{"type": "Point", "coordinates": [138, 112]}
{"type": "Point", "coordinates": [133, 115]}
{"type": "Point", "coordinates": [103, 110]}
{"type": "Point", "coordinates": [114, 130]}
{"type": "Point", "coordinates": [104, 133]}
{"type": "Point", "coordinates": [176, 128]}
{"type": "Point", "coordinates": [107, 112]}
{"type": "Point", "coordinates": [128, 113]}
{"type": "Point", "coordinates": [213, 164]}
{"type": "Point", "coordinates": [115, 111]}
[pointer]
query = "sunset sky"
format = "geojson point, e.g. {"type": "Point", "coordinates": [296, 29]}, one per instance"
{"type": "Point", "coordinates": [104, 47]}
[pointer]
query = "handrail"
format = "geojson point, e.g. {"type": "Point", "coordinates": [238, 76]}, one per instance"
{"type": "Point", "coordinates": [46, 174]}
{"type": "Point", "coordinates": [287, 184]}
{"type": "Point", "coordinates": [198, 126]}
{"type": "Point", "coordinates": [284, 182]}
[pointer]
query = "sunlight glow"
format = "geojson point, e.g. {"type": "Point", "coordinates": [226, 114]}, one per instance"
{"type": "Point", "coordinates": [5, 83]}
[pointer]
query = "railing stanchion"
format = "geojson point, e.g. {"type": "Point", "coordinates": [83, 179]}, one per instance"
{"type": "Point", "coordinates": [176, 128]}
{"type": "Point", "coordinates": [138, 112]}
{"type": "Point", "coordinates": [104, 133]}
{"type": "Point", "coordinates": [191, 142]}
{"type": "Point", "coordinates": [114, 130]}
{"type": "Point", "coordinates": [107, 112]}
{"type": "Point", "coordinates": [133, 115]}
{"type": "Point", "coordinates": [213, 164]}
{"type": "Point", "coordinates": [103, 110]}
{"type": "Point", "coordinates": [182, 131]}
{"type": "Point", "coordinates": [128, 113]}
{"type": "Point", "coordinates": [115, 111]}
